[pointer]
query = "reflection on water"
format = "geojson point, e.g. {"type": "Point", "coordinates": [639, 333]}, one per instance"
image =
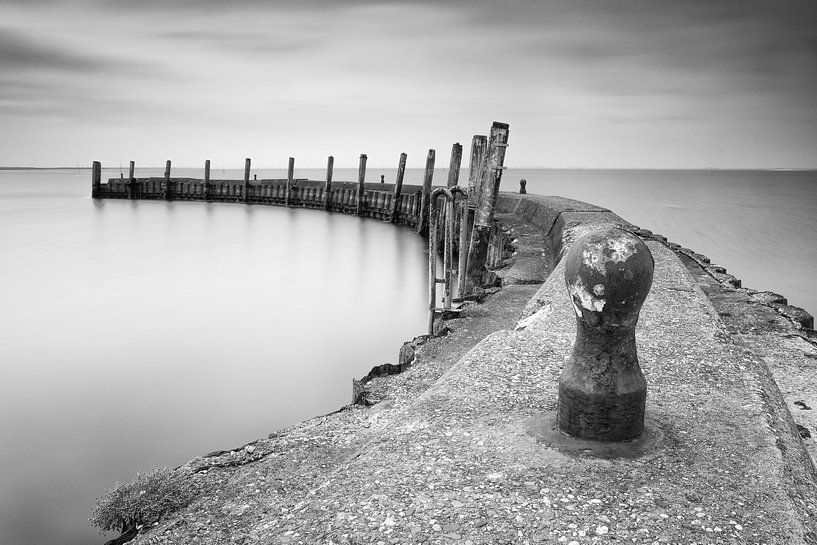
{"type": "Point", "coordinates": [142, 334]}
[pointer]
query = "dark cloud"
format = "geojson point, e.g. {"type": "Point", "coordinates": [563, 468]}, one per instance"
{"type": "Point", "coordinates": [18, 52]}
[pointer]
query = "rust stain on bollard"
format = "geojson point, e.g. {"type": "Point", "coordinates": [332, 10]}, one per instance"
{"type": "Point", "coordinates": [602, 391]}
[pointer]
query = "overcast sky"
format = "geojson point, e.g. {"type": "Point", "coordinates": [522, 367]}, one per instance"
{"type": "Point", "coordinates": [609, 83]}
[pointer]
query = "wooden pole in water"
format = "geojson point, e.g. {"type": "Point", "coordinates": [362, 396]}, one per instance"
{"type": "Point", "coordinates": [96, 178]}
{"type": "Point", "coordinates": [290, 176]}
{"type": "Point", "coordinates": [327, 197]}
{"type": "Point", "coordinates": [361, 179]}
{"type": "Point", "coordinates": [422, 221]}
{"type": "Point", "coordinates": [454, 165]}
{"type": "Point", "coordinates": [398, 187]}
{"type": "Point", "coordinates": [131, 180]}
{"type": "Point", "coordinates": [207, 178]}
{"type": "Point", "coordinates": [247, 163]}
{"type": "Point", "coordinates": [167, 180]}
{"type": "Point", "coordinates": [484, 215]}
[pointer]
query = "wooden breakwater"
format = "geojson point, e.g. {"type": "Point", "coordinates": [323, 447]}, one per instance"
{"type": "Point", "coordinates": [467, 216]}
{"type": "Point", "coordinates": [398, 203]}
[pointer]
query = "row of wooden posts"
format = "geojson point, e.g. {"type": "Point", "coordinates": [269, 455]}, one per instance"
{"type": "Point", "coordinates": [470, 212]}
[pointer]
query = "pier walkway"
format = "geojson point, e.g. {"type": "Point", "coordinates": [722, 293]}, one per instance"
{"type": "Point", "coordinates": [469, 454]}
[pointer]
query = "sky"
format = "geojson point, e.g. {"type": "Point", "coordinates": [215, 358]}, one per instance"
{"type": "Point", "coordinates": [594, 84]}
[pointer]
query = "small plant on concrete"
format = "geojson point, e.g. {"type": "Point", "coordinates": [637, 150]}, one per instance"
{"type": "Point", "coordinates": [142, 501]}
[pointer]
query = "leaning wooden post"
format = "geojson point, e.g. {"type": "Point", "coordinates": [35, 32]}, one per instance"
{"type": "Point", "coordinates": [454, 165]}
{"type": "Point", "coordinates": [484, 215]}
{"type": "Point", "coordinates": [478, 145]}
{"type": "Point", "coordinates": [422, 221]}
{"type": "Point", "coordinates": [327, 192]}
{"type": "Point", "coordinates": [398, 188]}
{"type": "Point", "coordinates": [207, 178]}
{"type": "Point", "coordinates": [131, 180]}
{"type": "Point", "coordinates": [96, 178]}
{"type": "Point", "coordinates": [247, 163]}
{"type": "Point", "coordinates": [290, 176]}
{"type": "Point", "coordinates": [167, 180]}
{"type": "Point", "coordinates": [361, 179]}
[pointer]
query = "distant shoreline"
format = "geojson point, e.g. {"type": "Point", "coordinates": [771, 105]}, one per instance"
{"type": "Point", "coordinates": [704, 169]}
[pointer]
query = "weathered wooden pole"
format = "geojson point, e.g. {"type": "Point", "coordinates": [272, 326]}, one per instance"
{"type": "Point", "coordinates": [484, 214]}
{"type": "Point", "coordinates": [361, 179]}
{"type": "Point", "coordinates": [422, 220]}
{"type": "Point", "coordinates": [207, 178]}
{"type": "Point", "coordinates": [247, 163]}
{"type": "Point", "coordinates": [602, 391]}
{"type": "Point", "coordinates": [167, 180]}
{"type": "Point", "coordinates": [478, 147]}
{"type": "Point", "coordinates": [96, 178]}
{"type": "Point", "coordinates": [290, 177]}
{"type": "Point", "coordinates": [479, 144]}
{"type": "Point", "coordinates": [462, 256]}
{"type": "Point", "coordinates": [398, 188]}
{"type": "Point", "coordinates": [327, 192]}
{"type": "Point", "coordinates": [131, 180]}
{"type": "Point", "coordinates": [454, 165]}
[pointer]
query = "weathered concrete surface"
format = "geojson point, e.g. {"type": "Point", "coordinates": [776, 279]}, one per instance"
{"type": "Point", "coordinates": [457, 459]}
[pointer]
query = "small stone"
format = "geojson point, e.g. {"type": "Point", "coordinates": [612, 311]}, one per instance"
{"type": "Point", "coordinates": [493, 477]}
{"type": "Point", "coordinates": [738, 527]}
{"type": "Point", "coordinates": [389, 522]}
{"type": "Point", "coordinates": [601, 530]}
{"type": "Point", "coordinates": [437, 528]}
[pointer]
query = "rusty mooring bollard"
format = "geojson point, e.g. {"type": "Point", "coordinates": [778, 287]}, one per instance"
{"type": "Point", "coordinates": [522, 183]}
{"type": "Point", "coordinates": [602, 391]}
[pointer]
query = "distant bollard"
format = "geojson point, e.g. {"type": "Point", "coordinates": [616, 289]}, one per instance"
{"type": "Point", "coordinates": [522, 183]}
{"type": "Point", "coordinates": [602, 391]}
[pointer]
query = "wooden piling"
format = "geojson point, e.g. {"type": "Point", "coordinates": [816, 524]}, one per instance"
{"type": "Point", "coordinates": [478, 145]}
{"type": "Point", "coordinates": [484, 214]}
{"type": "Point", "coordinates": [131, 180]}
{"type": "Point", "coordinates": [167, 180]}
{"type": "Point", "coordinates": [361, 180]}
{"type": "Point", "coordinates": [327, 192]}
{"type": "Point", "coordinates": [454, 165]}
{"type": "Point", "coordinates": [96, 178]}
{"type": "Point", "coordinates": [247, 163]}
{"type": "Point", "coordinates": [398, 188]}
{"type": "Point", "coordinates": [422, 220]}
{"type": "Point", "coordinates": [207, 178]}
{"type": "Point", "coordinates": [290, 176]}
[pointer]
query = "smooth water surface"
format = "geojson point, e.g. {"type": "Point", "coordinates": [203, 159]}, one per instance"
{"type": "Point", "coordinates": [141, 334]}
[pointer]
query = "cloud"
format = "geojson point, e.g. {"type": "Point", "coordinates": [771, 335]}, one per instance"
{"type": "Point", "coordinates": [18, 52]}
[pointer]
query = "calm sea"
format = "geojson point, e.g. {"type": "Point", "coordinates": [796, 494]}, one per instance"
{"type": "Point", "coordinates": [141, 334]}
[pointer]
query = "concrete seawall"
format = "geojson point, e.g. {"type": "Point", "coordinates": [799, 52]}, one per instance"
{"type": "Point", "coordinates": [457, 447]}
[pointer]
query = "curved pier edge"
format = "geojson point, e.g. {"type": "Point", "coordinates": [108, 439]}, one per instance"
{"type": "Point", "coordinates": [444, 453]}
